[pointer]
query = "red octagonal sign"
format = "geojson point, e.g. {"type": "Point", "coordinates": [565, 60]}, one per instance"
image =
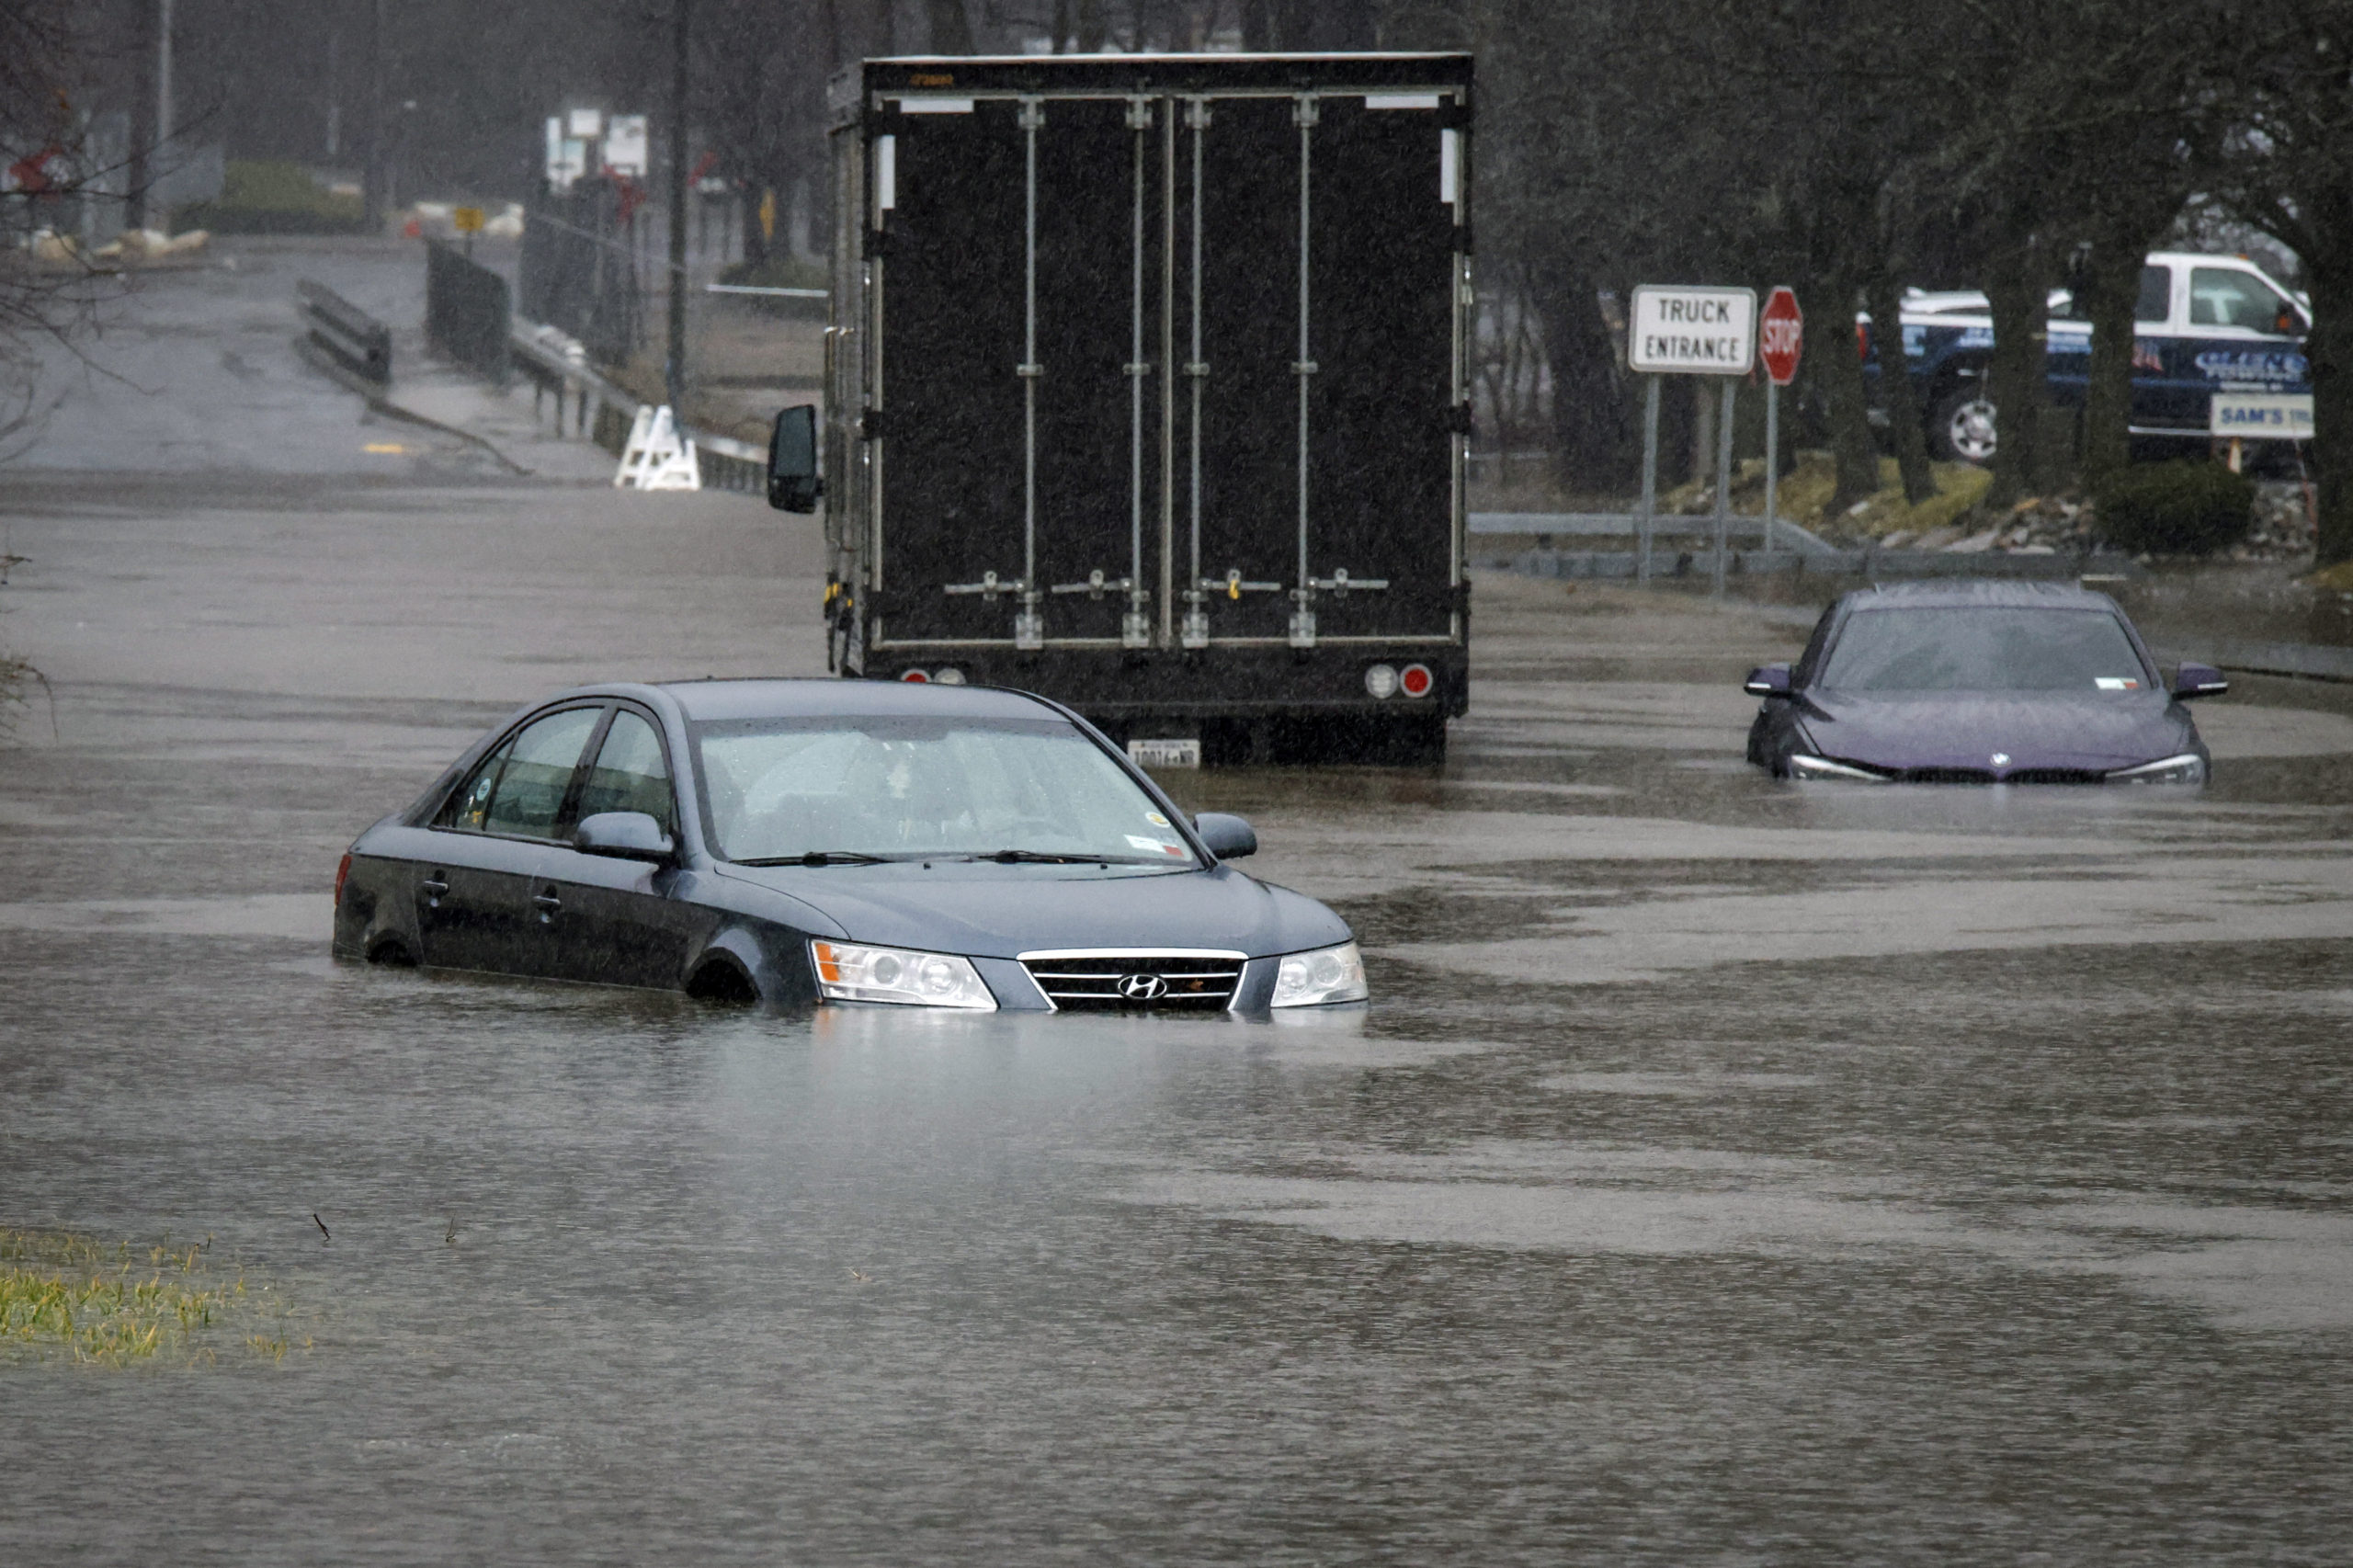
{"type": "Point", "coordinates": [1780, 333]}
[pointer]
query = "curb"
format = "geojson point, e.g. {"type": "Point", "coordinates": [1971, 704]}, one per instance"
{"type": "Point", "coordinates": [378, 403]}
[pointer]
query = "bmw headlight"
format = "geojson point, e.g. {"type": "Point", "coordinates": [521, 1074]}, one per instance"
{"type": "Point", "coordinates": [848, 974]}
{"type": "Point", "coordinates": [1803, 767]}
{"type": "Point", "coordinates": [2186, 768]}
{"type": "Point", "coordinates": [1331, 974]}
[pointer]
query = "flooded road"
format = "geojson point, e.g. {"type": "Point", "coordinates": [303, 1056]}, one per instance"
{"type": "Point", "coordinates": [1726, 1172]}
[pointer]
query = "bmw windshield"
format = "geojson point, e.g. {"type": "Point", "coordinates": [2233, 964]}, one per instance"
{"type": "Point", "coordinates": [1984, 648]}
{"type": "Point", "coordinates": [846, 789]}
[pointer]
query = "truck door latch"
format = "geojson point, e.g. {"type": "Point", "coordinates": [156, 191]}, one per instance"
{"type": "Point", "coordinates": [988, 587]}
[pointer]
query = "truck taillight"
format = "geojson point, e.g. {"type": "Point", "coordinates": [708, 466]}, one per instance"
{"type": "Point", "coordinates": [342, 875]}
{"type": "Point", "coordinates": [918, 676]}
{"type": "Point", "coordinates": [1381, 683]}
{"type": "Point", "coordinates": [1416, 681]}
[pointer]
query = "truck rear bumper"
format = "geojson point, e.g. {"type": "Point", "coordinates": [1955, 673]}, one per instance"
{"type": "Point", "coordinates": [1120, 689]}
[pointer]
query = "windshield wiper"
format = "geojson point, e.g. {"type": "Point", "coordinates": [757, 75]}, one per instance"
{"type": "Point", "coordinates": [822, 858]}
{"type": "Point", "coordinates": [1040, 857]}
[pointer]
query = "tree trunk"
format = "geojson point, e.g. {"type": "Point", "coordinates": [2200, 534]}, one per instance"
{"type": "Point", "coordinates": [2106, 292]}
{"type": "Point", "coordinates": [1595, 436]}
{"type": "Point", "coordinates": [951, 29]}
{"type": "Point", "coordinates": [1838, 366]}
{"type": "Point", "coordinates": [2330, 350]}
{"type": "Point", "coordinates": [1092, 28]}
{"type": "Point", "coordinates": [2019, 377]}
{"type": "Point", "coordinates": [1896, 390]}
{"type": "Point", "coordinates": [1062, 25]}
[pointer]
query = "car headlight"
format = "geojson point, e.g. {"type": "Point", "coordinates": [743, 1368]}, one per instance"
{"type": "Point", "coordinates": [1803, 767]}
{"type": "Point", "coordinates": [1331, 974]}
{"type": "Point", "coordinates": [2186, 768]}
{"type": "Point", "coordinates": [848, 974]}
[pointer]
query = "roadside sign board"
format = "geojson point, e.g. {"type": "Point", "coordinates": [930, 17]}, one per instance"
{"type": "Point", "coordinates": [466, 219]}
{"type": "Point", "coordinates": [1693, 332]}
{"type": "Point", "coordinates": [2262, 416]}
{"type": "Point", "coordinates": [1781, 335]}
{"type": "Point", "coordinates": [625, 140]}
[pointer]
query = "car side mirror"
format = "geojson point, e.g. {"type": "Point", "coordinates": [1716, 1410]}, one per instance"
{"type": "Point", "coordinates": [793, 485]}
{"type": "Point", "coordinates": [624, 836]}
{"type": "Point", "coordinates": [1769, 680]}
{"type": "Point", "coordinates": [1227, 837]}
{"type": "Point", "coordinates": [2198, 680]}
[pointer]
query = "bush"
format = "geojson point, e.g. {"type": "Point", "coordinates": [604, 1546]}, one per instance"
{"type": "Point", "coordinates": [2176, 508]}
{"type": "Point", "coordinates": [262, 197]}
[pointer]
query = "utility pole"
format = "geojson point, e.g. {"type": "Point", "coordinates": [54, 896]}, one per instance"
{"type": "Point", "coordinates": [674, 370]}
{"type": "Point", "coordinates": [160, 213]}
{"type": "Point", "coordinates": [372, 180]}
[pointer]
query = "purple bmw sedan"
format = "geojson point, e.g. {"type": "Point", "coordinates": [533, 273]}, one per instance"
{"type": "Point", "coordinates": [1979, 682]}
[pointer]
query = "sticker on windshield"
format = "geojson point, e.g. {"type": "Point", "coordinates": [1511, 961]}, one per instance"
{"type": "Point", "coordinates": [1155, 845]}
{"type": "Point", "coordinates": [1155, 819]}
{"type": "Point", "coordinates": [2116, 683]}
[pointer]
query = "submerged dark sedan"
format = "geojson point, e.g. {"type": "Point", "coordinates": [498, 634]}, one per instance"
{"type": "Point", "coordinates": [801, 842]}
{"type": "Point", "coordinates": [1979, 683]}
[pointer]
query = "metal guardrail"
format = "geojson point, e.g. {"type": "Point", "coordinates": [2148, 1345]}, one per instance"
{"type": "Point", "coordinates": [558, 364]}
{"type": "Point", "coordinates": [1545, 526]}
{"type": "Point", "coordinates": [346, 333]}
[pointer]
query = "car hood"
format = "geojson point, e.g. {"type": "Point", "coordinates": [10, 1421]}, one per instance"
{"type": "Point", "coordinates": [2090, 732]}
{"type": "Point", "coordinates": [990, 911]}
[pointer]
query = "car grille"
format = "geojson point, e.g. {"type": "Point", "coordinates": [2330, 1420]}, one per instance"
{"type": "Point", "coordinates": [1113, 981]}
{"type": "Point", "coordinates": [1981, 776]}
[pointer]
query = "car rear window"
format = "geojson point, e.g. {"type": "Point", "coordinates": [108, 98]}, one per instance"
{"type": "Point", "coordinates": [1984, 648]}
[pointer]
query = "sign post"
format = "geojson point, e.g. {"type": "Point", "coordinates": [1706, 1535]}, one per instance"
{"type": "Point", "coordinates": [467, 221]}
{"type": "Point", "coordinates": [1781, 339]}
{"type": "Point", "coordinates": [1691, 332]}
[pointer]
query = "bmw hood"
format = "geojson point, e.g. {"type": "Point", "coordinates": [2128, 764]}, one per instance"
{"type": "Point", "coordinates": [1999, 734]}
{"type": "Point", "coordinates": [983, 909]}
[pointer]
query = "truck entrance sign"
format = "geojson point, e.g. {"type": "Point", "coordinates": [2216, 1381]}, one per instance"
{"type": "Point", "coordinates": [1781, 335]}
{"type": "Point", "coordinates": [1693, 332]}
{"type": "Point", "coordinates": [2262, 416]}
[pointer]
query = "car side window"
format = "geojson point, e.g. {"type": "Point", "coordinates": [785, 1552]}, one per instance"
{"type": "Point", "coordinates": [469, 805]}
{"type": "Point", "coordinates": [2219, 297]}
{"type": "Point", "coordinates": [2155, 306]}
{"type": "Point", "coordinates": [631, 774]}
{"type": "Point", "coordinates": [528, 797]}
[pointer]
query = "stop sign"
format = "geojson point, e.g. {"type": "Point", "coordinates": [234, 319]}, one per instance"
{"type": "Point", "coordinates": [1781, 333]}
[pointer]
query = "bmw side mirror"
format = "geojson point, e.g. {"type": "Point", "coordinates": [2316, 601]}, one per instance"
{"type": "Point", "coordinates": [1227, 837]}
{"type": "Point", "coordinates": [793, 485]}
{"type": "Point", "coordinates": [2198, 680]}
{"type": "Point", "coordinates": [624, 836]}
{"type": "Point", "coordinates": [1769, 680]}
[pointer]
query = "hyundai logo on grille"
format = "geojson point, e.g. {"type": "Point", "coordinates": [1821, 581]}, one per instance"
{"type": "Point", "coordinates": [1142, 987]}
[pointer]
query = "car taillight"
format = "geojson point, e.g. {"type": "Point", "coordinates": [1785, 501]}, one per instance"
{"type": "Point", "coordinates": [341, 874]}
{"type": "Point", "coordinates": [1416, 681]}
{"type": "Point", "coordinates": [918, 676]}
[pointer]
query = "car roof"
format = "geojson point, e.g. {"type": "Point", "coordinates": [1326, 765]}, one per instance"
{"type": "Point", "coordinates": [831, 696]}
{"type": "Point", "coordinates": [1950, 593]}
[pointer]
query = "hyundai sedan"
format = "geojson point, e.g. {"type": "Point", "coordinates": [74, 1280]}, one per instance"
{"type": "Point", "coordinates": [1979, 683]}
{"type": "Point", "coordinates": [827, 842]}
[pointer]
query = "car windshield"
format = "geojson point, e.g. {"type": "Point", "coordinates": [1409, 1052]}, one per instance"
{"type": "Point", "coordinates": [853, 788]}
{"type": "Point", "coordinates": [1984, 648]}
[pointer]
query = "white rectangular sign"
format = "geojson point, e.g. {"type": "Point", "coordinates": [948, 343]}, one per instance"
{"type": "Point", "coordinates": [1693, 332]}
{"type": "Point", "coordinates": [625, 145]}
{"type": "Point", "coordinates": [2262, 416]}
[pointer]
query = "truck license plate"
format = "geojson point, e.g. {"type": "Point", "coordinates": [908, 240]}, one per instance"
{"type": "Point", "coordinates": [1165, 754]}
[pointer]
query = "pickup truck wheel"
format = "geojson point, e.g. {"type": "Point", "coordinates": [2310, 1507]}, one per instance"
{"type": "Point", "coordinates": [1961, 429]}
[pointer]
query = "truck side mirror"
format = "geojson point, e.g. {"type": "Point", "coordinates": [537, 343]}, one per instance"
{"type": "Point", "coordinates": [1767, 681]}
{"type": "Point", "coordinates": [793, 485]}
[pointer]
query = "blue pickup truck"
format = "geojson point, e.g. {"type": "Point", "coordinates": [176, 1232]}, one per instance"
{"type": "Point", "coordinates": [2204, 324]}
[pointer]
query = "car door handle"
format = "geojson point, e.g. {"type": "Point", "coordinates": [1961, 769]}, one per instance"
{"type": "Point", "coordinates": [436, 887]}
{"type": "Point", "coordinates": [549, 903]}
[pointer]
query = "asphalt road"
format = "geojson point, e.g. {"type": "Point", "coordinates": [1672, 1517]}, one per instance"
{"type": "Point", "coordinates": [1728, 1173]}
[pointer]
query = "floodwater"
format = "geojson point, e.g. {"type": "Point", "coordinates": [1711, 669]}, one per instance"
{"type": "Point", "coordinates": [1728, 1173]}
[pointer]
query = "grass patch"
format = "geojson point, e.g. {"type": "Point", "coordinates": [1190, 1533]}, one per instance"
{"type": "Point", "coordinates": [779, 269]}
{"type": "Point", "coordinates": [272, 197]}
{"type": "Point", "coordinates": [2337, 579]}
{"type": "Point", "coordinates": [65, 1297]}
{"type": "Point", "coordinates": [1806, 491]}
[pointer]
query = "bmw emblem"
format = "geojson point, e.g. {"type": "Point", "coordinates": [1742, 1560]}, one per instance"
{"type": "Point", "coordinates": [1142, 988]}
{"type": "Point", "coordinates": [2001, 760]}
